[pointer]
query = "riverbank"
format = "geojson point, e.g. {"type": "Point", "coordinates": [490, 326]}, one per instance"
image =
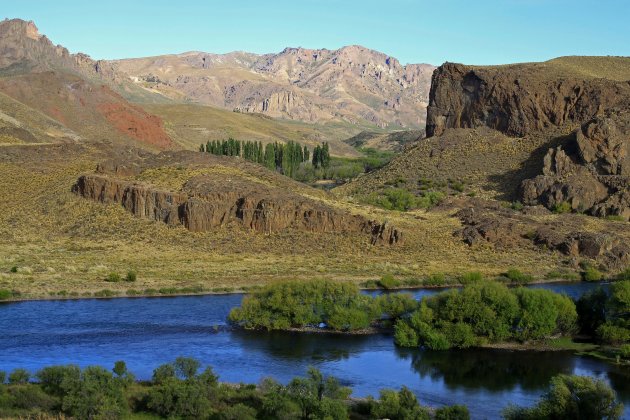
{"type": "Point", "coordinates": [172, 292]}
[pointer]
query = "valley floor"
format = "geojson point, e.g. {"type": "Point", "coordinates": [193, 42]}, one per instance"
{"type": "Point", "coordinates": [52, 242]}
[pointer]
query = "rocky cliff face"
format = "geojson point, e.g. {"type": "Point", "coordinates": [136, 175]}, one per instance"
{"type": "Point", "coordinates": [489, 222]}
{"type": "Point", "coordinates": [591, 172]}
{"type": "Point", "coordinates": [208, 201]}
{"type": "Point", "coordinates": [517, 99]}
{"type": "Point", "coordinates": [352, 84]}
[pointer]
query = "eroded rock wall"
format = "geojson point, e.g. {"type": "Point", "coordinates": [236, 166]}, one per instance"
{"type": "Point", "coordinates": [203, 205]}
{"type": "Point", "coordinates": [515, 99]}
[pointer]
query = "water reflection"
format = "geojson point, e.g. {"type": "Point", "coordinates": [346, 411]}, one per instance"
{"type": "Point", "coordinates": [492, 370]}
{"type": "Point", "coordinates": [297, 346]}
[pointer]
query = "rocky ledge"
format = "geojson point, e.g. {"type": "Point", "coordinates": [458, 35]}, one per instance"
{"type": "Point", "coordinates": [487, 222]}
{"type": "Point", "coordinates": [211, 200]}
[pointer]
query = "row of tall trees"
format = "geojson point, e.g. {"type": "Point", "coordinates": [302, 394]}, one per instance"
{"type": "Point", "coordinates": [282, 157]}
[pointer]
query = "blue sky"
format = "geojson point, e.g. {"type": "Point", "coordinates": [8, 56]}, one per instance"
{"type": "Point", "coordinates": [473, 32]}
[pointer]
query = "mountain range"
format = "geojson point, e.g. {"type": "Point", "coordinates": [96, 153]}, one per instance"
{"type": "Point", "coordinates": [352, 84]}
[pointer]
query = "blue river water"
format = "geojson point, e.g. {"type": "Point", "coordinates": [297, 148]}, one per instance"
{"type": "Point", "coordinates": [146, 332]}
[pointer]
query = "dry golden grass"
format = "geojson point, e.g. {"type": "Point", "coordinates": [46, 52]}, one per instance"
{"type": "Point", "coordinates": [59, 241]}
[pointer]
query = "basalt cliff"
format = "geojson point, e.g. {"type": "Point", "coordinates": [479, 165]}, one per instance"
{"type": "Point", "coordinates": [217, 192]}
{"type": "Point", "coordinates": [588, 169]}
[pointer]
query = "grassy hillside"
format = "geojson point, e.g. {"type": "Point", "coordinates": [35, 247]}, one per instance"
{"type": "Point", "coordinates": [54, 241]}
{"type": "Point", "coordinates": [582, 67]}
{"type": "Point", "coordinates": [479, 161]}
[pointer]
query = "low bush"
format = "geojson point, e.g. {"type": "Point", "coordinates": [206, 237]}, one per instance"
{"type": "Point", "coordinates": [516, 276]}
{"type": "Point", "coordinates": [105, 293]}
{"type": "Point", "coordinates": [388, 281]}
{"type": "Point", "coordinates": [19, 376]}
{"type": "Point", "coordinates": [592, 274]}
{"type": "Point", "coordinates": [131, 276]}
{"type": "Point", "coordinates": [5, 294]}
{"type": "Point", "coordinates": [571, 397]}
{"type": "Point", "coordinates": [471, 277]}
{"type": "Point", "coordinates": [624, 275]}
{"type": "Point", "coordinates": [563, 274]}
{"type": "Point", "coordinates": [563, 207]}
{"type": "Point", "coordinates": [435, 279]}
{"type": "Point", "coordinates": [113, 278]}
{"type": "Point", "coordinates": [14, 269]}
{"type": "Point", "coordinates": [454, 412]}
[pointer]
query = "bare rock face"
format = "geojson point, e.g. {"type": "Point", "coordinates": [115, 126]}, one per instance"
{"type": "Point", "coordinates": [591, 172]}
{"type": "Point", "coordinates": [491, 224]}
{"type": "Point", "coordinates": [516, 99]}
{"type": "Point", "coordinates": [206, 202]}
{"type": "Point", "coordinates": [352, 84]}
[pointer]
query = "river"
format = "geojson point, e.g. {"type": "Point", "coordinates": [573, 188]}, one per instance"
{"type": "Point", "coordinates": [146, 332]}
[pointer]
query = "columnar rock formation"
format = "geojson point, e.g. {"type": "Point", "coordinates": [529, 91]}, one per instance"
{"type": "Point", "coordinates": [206, 201]}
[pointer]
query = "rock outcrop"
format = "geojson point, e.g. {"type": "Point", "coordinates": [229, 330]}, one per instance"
{"type": "Point", "coordinates": [516, 99]}
{"type": "Point", "coordinates": [207, 202]}
{"type": "Point", "coordinates": [489, 223]}
{"type": "Point", "coordinates": [591, 172]}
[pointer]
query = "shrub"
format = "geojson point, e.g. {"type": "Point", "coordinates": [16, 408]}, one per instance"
{"type": "Point", "coordinates": [453, 412]}
{"type": "Point", "coordinates": [471, 277]}
{"type": "Point", "coordinates": [105, 293]}
{"type": "Point", "coordinates": [516, 276]}
{"type": "Point", "coordinates": [131, 276]}
{"type": "Point", "coordinates": [398, 199]}
{"type": "Point", "coordinates": [571, 397]}
{"type": "Point", "coordinates": [563, 274]}
{"type": "Point", "coordinates": [113, 278]}
{"type": "Point", "coordinates": [624, 351]}
{"type": "Point", "coordinates": [430, 199]}
{"type": "Point", "coordinates": [388, 282]}
{"type": "Point", "coordinates": [5, 294]}
{"type": "Point", "coordinates": [31, 397]}
{"type": "Point", "coordinates": [304, 304]}
{"type": "Point", "coordinates": [436, 279]}
{"type": "Point", "coordinates": [14, 269]}
{"type": "Point", "coordinates": [485, 311]}
{"type": "Point", "coordinates": [592, 274]}
{"type": "Point", "coordinates": [19, 376]}
{"type": "Point", "coordinates": [94, 394]}
{"type": "Point", "coordinates": [613, 334]}
{"type": "Point", "coordinates": [624, 275]}
{"type": "Point", "coordinates": [563, 207]}
{"type": "Point", "coordinates": [397, 405]}
{"type": "Point", "coordinates": [52, 378]}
